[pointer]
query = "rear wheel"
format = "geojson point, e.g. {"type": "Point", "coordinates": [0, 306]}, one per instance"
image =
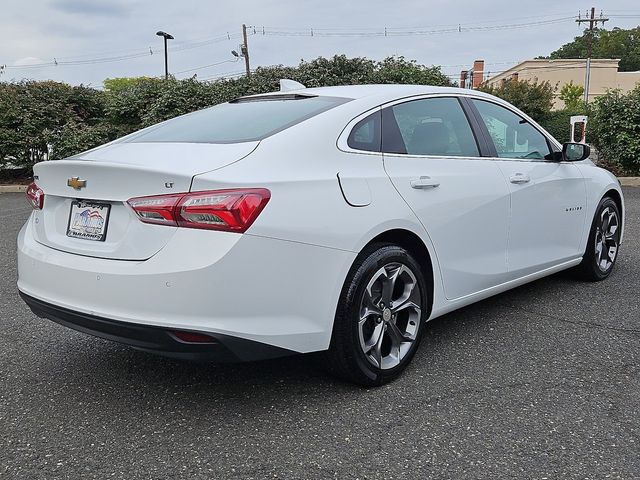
{"type": "Point", "coordinates": [380, 317]}
{"type": "Point", "coordinates": [604, 243]}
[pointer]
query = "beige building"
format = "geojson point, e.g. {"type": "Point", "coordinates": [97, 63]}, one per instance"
{"type": "Point", "coordinates": [604, 75]}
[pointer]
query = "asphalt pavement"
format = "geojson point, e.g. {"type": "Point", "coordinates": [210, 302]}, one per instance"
{"type": "Point", "coordinates": [540, 382]}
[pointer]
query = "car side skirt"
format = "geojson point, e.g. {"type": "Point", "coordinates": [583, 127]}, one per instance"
{"type": "Point", "coordinates": [449, 306]}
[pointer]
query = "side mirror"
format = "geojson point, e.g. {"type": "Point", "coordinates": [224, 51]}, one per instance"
{"type": "Point", "coordinates": [574, 152]}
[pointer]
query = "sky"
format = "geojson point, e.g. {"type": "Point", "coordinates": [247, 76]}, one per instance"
{"type": "Point", "coordinates": [86, 41]}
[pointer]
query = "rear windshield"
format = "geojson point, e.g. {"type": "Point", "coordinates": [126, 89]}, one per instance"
{"type": "Point", "coordinates": [242, 120]}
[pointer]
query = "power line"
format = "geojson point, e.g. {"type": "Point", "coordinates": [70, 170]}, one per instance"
{"type": "Point", "coordinates": [407, 27]}
{"type": "Point", "coordinates": [205, 66]}
{"type": "Point", "coordinates": [337, 31]}
{"type": "Point", "coordinates": [410, 27]}
{"type": "Point", "coordinates": [320, 32]}
{"type": "Point", "coordinates": [224, 75]}
{"type": "Point", "coordinates": [399, 31]}
{"type": "Point", "coordinates": [60, 61]}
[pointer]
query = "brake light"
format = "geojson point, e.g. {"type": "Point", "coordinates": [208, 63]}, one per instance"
{"type": "Point", "coordinates": [232, 210]}
{"type": "Point", "coordinates": [35, 195]}
{"type": "Point", "coordinates": [158, 209]}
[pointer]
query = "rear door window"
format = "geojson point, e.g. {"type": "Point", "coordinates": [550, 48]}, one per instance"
{"type": "Point", "coordinates": [431, 126]}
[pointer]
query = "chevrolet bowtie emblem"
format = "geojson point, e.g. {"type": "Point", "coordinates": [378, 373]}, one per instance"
{"type": "Point", "coordinates": [76, 183]}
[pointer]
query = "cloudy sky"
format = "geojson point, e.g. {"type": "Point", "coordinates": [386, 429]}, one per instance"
{"type": "Point", "coordinates": [85, 41]}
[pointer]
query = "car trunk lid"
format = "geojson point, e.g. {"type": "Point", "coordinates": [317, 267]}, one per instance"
{"type": "Point", "coordinates": [109, 176]}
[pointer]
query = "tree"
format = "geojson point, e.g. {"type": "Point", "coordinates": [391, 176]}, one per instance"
{"type": "Point", "coordinates": [616, 43]}
{"type": "Point", "coordinates": [533, 98]}
{"type": "Point", "coordinates": [571, 95]}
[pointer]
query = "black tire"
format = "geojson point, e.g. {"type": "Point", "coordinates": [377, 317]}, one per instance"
{"type": "Point", "coordinates": [591, 269]}
{"type": "Point", "coordinates": [345, 357]}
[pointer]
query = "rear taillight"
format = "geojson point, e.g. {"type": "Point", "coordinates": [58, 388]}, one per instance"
{"type": "Point", "coordinates": [159, 209]}
{"type": "Point", "coordinates": [35, 195]}
{"type": "Point", "coordinates": [231, 210]}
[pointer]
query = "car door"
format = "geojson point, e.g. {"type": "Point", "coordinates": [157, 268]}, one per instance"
{"type": "Point", "coordinates": [434, 160]}
{"type": "Point", "coordinates": [547, 196]}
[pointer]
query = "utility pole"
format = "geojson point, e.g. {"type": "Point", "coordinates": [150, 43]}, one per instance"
{"type": "Point", "coordinates": [244, 50]}
{"type": "Point", "coordinates": [592, 21]}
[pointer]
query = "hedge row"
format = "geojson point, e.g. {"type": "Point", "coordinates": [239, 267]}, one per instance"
{"type": "Point", "coordinates": [40, 120]}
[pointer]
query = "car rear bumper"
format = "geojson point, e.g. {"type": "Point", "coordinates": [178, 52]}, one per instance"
{"type": "Point", "coordinates": [267, 291]}
{"type": "Point", "coordinates": [157, 340]}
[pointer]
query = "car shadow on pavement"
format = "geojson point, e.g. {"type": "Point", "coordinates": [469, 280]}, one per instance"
{"type": "Point", "coordinates": [112, 370]}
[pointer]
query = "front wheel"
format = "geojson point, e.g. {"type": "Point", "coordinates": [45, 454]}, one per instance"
{"type": "Point", "coordinates": [603, 244]}
{"type": "Point", "coordinates": [380, 316]}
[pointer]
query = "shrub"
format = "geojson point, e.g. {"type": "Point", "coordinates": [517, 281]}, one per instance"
{"type": "Point", "coordinates": [34, 114]}
{"type": "Point", "coordinates": [39, 120]}
{"type": "Point", "coordinates": [558, 124]}
{"type": "Point", "coordinates": [615, 129]}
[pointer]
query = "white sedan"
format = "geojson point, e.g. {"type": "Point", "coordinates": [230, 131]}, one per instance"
{"type": "Point", "coordinates": [336, 220]}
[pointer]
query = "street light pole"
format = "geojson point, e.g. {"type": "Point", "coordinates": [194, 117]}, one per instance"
{"type": "Point", "coordinates": [166, 37]}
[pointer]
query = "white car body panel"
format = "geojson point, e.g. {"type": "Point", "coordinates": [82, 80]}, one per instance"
{"type": "Point", "coordinates": [547, 215]}
{"type": "Point", "coordinates": [213, 283]}
{"type": "Point", "coordinates": [469, 233]}
{"type": "Point", "coordinates": [280, 282]}
{"type": "Point", "coordinates": [597, 183]}
{"type": "Point", "coordinates": [118, 173]}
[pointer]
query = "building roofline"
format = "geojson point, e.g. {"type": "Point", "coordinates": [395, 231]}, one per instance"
{"type": "Point", "coordinates": [521, 67]}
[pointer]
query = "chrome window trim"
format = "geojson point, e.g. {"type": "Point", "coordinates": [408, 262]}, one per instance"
{"type": "Point", "coordinates": [341, 143]}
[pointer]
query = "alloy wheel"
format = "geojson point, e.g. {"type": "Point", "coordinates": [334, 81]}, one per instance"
{"type": "Point", "coordinates": [390, 315]}
{"type": "Point", "coordinates": [607, 238]}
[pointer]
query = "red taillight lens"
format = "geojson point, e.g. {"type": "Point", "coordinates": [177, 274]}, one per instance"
{"type": "Point", "coordinates": [231, 210]}
{"type": "Point", "coordinates": [35, 195]}
{"type": "Point", "coordinates": [159, 209]}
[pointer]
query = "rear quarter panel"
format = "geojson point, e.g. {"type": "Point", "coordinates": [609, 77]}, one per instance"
{"type": "Point", "coordinates": [300, 167]}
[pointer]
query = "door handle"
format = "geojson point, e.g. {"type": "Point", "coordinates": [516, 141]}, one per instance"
{"type": "Point", "coordinates": [519, 178]}
{"type": "Point", "coordinates": [424, 182]}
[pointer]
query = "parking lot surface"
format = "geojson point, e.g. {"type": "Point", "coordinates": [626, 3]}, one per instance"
{"type": "Point", "coordinates": [539, 382]}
